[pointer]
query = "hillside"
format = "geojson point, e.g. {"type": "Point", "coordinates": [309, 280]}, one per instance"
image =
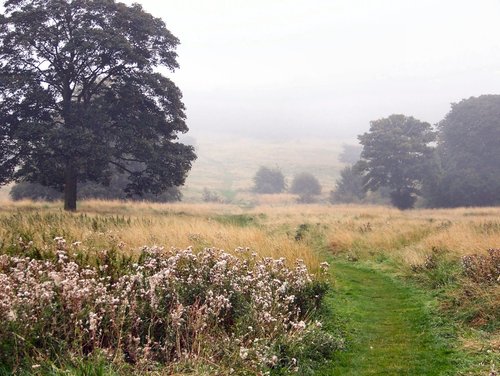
{"type": "Point", "coordinates": [228, 164]}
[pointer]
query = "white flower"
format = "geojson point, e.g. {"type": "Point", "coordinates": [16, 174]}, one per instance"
{"type": "Point", "coordinates": [243, 353]}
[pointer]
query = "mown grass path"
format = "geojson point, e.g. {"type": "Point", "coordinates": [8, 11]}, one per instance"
{"type": "Point", "coordinates": [388, 325]}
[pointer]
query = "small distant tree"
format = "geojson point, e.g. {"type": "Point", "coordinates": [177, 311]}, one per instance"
{"type": "Point", "coordinates": [397, 154]}
{"type": "Point", "coordinates": [268, 180]}
{"type": "Point", "coordinates": [306, 186]}
{"type": "Point", "coordinates": [349, 187]}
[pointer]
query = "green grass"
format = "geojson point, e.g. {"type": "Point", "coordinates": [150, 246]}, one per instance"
{"type": "Point", "coordinates": [390, 327]}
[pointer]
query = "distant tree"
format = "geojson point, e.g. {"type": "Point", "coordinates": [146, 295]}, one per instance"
{"type": "Point", "coordinates": [397, 154]}
{"type": "Point", "coordinates": [349, 187]}
{"type": "Point", "coordinates": [306, 186]}
{"type": "Point", "coordinates": [350, 153]}
{"type": "Point", "coordinates": [80, 94]}
{"type": "Point", "coordinates": [268, 180]}
{"type": "Point", "coordinates": [211, 196]}
{"type": "Point", "coordinates": [469, 155]}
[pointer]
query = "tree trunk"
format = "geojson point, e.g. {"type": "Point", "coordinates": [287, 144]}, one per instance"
{"type": "Point", "coordinates": [70, 183]}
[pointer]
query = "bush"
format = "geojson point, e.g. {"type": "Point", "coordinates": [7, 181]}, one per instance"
{"type": "Point", "coordinates": [168, 306]}
{"type": "Point", "coordinates": [269, 180]}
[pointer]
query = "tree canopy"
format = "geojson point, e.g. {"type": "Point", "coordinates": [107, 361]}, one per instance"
{"type": "Point", "coordinates": [469, 154]}
{"type": "Point", "coordinates": [349, 187]}
{"type": "Point", "coordinates": [81, 95]}
{"type": "Point", "coordinates": [306, 185]}
{"type": "Point", "coordinates": [269, 180]}
{"type": "Point", "coordinates": [397, 154]}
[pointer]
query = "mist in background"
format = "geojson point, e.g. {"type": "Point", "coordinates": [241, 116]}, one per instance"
{"type": "Point", "coordinates": [297, 68]}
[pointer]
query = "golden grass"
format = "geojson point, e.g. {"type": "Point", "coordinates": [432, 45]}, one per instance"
{"type": "Point", "coordinates": [407, 235]}
{"type": "Point", "coordinates": [130, 226]}
{"type": "Point", "coordinates": [364, 230]}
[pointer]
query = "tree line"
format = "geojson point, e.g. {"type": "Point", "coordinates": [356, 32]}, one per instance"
{"type": "Point", "coordinates": [456, 163]}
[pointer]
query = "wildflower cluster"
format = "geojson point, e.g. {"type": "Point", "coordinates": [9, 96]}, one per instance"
{"type": "Point", "coordinates": [168, 307]}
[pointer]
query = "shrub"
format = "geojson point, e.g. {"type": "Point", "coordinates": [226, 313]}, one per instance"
{"type": "Point", "coordinates": [169, 306]}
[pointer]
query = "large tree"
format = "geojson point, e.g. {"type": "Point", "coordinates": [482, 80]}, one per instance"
{"type": "Point", "coordinates": [469, 154]}
{"type": "Point", "coordinates": [81, 95]}
{"type": "Point", "coordinates": [397, 154]}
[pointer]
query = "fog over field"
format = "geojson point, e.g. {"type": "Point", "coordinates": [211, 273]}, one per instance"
{"type": "Point", "coordinates": [304, 69]}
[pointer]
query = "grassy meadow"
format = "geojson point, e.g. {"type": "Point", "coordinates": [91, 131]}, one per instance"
{"type": "Point", "coordinates": [441, 252]}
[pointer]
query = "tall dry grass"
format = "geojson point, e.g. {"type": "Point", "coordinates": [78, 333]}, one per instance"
{"type": "Point", "coordinates": [267, 229]}
{"type": "Point", "coordinates": [131, 226]}
{"type": "Point", "coordinates": [408, 235]}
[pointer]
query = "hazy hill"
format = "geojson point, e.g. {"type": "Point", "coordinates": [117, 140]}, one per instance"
{"type": "Point", "coordinates": [228, 164]}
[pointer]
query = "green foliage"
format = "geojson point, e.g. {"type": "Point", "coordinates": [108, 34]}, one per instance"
{"type": "Point", "coordinates": [306, 185]}
{"type": "Point", "coordinates": [469, 155]}
{"type": "Point", "coordinates": [396, 154]}
{"type": "Point", "coordinates": [310, 351]}
{"type": "Point", "coordinates": [269, 180]}
{"type": "Point", "coordinates": [349, 187]}
{"type": "Point", "coordinates": [309, 299]}
{"type": "Point", "coordinates": [80, 95]}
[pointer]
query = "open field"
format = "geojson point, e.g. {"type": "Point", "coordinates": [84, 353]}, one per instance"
{"type": "Point", "coordinates": [443, 253]}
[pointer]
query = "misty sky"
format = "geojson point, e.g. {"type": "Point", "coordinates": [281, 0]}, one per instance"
{"type": "Point", "coordinates": [328, 67]}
